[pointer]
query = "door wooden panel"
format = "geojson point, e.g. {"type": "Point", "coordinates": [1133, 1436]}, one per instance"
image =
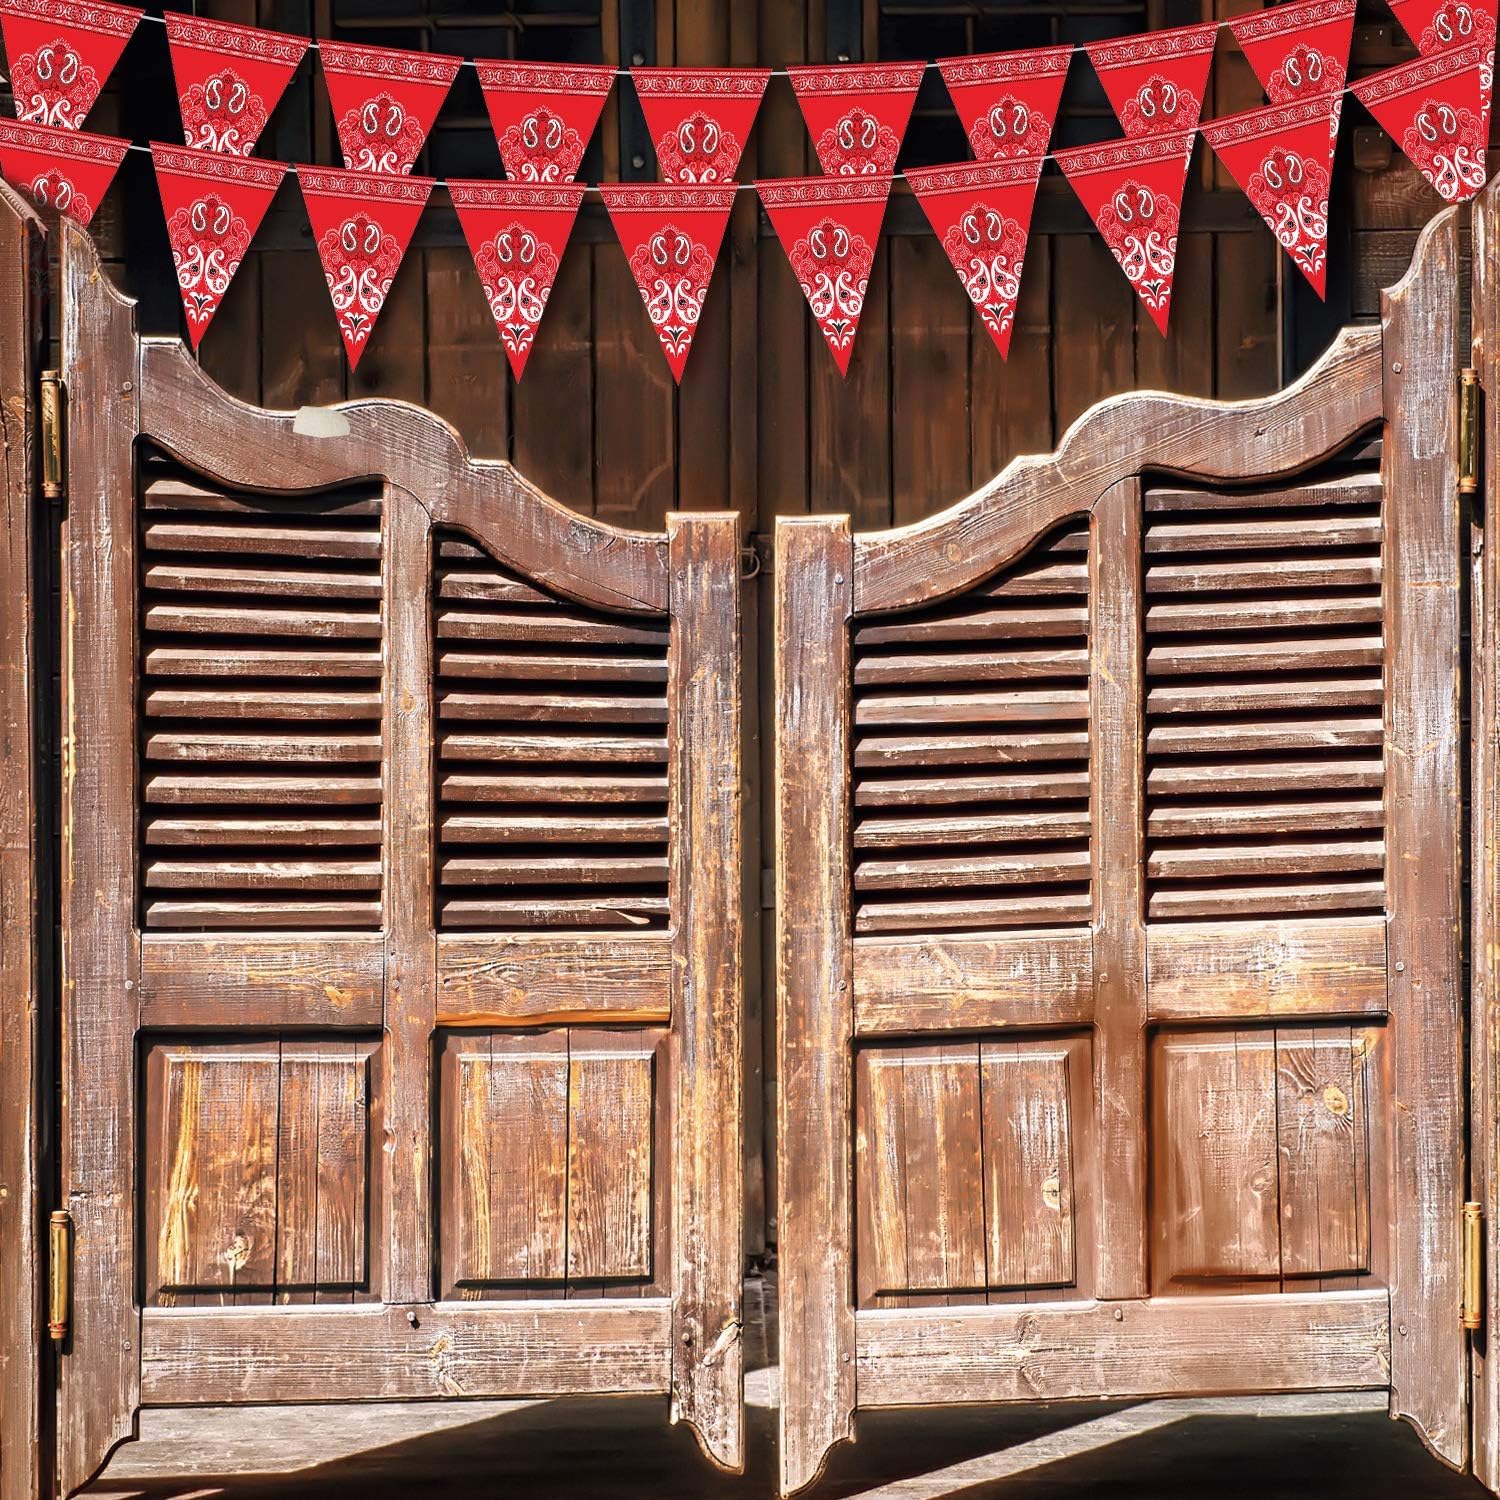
{"type": "Point", "coordinates": [401, 925]}
{"type": "Point", "coordinates": [1119, 979]}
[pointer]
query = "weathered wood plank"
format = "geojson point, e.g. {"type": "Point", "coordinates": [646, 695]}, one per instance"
{"type": "Point", "coordinates": [707, 958]}
{"type": "Point", "coordinates": [814, 578]}
{"type": "Point", "coordinates": [1222, 1345]}
{"type": "Point", "coordinates": [197, 1357]}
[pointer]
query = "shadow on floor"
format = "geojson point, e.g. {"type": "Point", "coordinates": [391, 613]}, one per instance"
{"type": "Point", "coordinates": [1319, 1447]}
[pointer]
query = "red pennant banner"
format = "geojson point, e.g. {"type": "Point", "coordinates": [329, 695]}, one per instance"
{"type": "Point", "coordinates": [61, 52]}
{"type": "Point", "coordinates": [1433, 109]}
{"type": "Point", "coordinates": [1437, 25]}
{"type": "Point", "coordinates": [62, 169]}
{"type": "Point", "coordinates": [981, 211]}
{"type": "Point", "coordinates": [543, 114]}
{"type": "Point", "coordinates": [671, 235]}
{"type": "Point", "coordinates": [229, 79]}
{"type": "Point", "coordinates": [214, 204]}
{"type": "Point", "coordinates": [363, 222]}
{"type": "Point", "coordinates": [384, 102]}
{"type": "Point", "coordinates": [1008, 100]}
{"type": "Point", "coordinates": [517, 233]}
{"type": "Point", "coordinates": [829, 227]}
{"type": "Point", "coordinates": [1133, 192]}
{"type": "Point", "coordinates": [1282, 156]}
{"type": "Point", "coordinates": [1298, 50]}
{"type": "Point", "coordinates": [1155, 82]}
{"type": "Point", "coordinates": [699, 120]}
{"type": "Point", "coordinates": [857, 114]}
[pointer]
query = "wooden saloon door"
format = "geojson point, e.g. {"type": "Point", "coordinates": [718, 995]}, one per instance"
{"type": "Point", "coordinates": [1119, 969]}
{"type": "Point", "coordinates": [401, 943]}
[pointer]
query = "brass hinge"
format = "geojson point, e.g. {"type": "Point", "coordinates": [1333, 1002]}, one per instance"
{"type": "Point", "coordinates": [54, 410]}
{"type": "Point", "coordinates": [1473, 1266]}
{"type": "Point", "coordinates": [1468, 432]}
{"type": "Point", "coordinates": [59, 1273]}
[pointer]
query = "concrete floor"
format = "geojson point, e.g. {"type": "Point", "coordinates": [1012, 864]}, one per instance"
{"type": "Point", "coordinates": [1336, 1447]}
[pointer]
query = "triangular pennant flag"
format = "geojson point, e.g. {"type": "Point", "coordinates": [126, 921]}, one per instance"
{"type": "Point", "coordinates": [1008, 101]}
{"type": "Point", "coordinates": [1155, 81]}
{"type": "Point", "coordinates": [857, 113]}
{"type": "Point", "coordinates": [543, 114]}
{"type": "Point", "coordinates": [1133, 192]}
{"type": "Point", "coordinates": [517, 233]}
{"type": "Point", "coordinates": [1297, 50]}
{"type": "Point", "coordinates": [214, 204]}
{"type": "Point", "coordinates": [1282, 156]}
{"type": "Point", "coordinates": [384, 102]}
{"type": "Point", "coordinates": [63, 169]}
{"type": "Point", "coordinates": [1433, 109]}
{"type": "Point", "coordinates": [829, 227]}
{"type": "Point", "coordinates": [981, 211]}
{"type": "Point", "coordinates": [61, 52]}
{"type": "Point", "coordinates": [1437, 25]}
{"type": "Point", "coordinates": [229, 79]}
{"type": "Point", "coordinates": [699, 119]}
{"type": "Point", "coordinates": [671, 235]}
{"type": "Point", "coordinates": [362, 222]}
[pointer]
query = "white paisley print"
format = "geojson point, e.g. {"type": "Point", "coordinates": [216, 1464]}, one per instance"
{"type": "Point", "coordinates": [1446, 143]}
{"type": "Point", "coordinates": [209, 240]}
{"type": "Point", "coordinates": [832, 265]}
{"type": "Point", "coordinates": [360, 261]}
{"type": "Point", "coordinates": [987, 249]}
{"type": "Point", "coordinates": [673, 271]}
{"type": "Point", "coordinates": [53, 86]}
{"type": "Point", "coordinates": [1140, 228]}
{"type": "Point", "coordinates": [223, 114]}
{"type": "Point", "coordinates": [1290, 192]}
{"type": "Point", "coordinates": [517, 271]}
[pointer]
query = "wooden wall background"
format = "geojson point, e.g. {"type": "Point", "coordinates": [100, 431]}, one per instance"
{"type": "Point", "coordinates": [763, 423]}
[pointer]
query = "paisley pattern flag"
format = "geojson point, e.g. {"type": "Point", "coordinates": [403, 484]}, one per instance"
{"type": "Point", "coordinates": [1299, 50]}
{"type": "Point", "coordinates": [699, 120]}
{"type": "Point", "coordinates": [1156, 81]}
{"type": "Point", "coordinates": [829, 227]}
{"type": "Point", "coordinates": [671, 234]}
{"type": "Point", "coordinates": [1434, 110]}
{"type": "Point", "coordinates": [214, 204]}
{"type": "Point", "coordinates": [517, 233]}
{"type": "Point", "coordinates": [1133, 192]}
{"type": "Point", "coordinates": [981, 211]}
{"type": "Point", "coordinates": [543, 114]}
{"type": "Point", "coordinates": [1008, 100]}
{"type": "Point", "coordinates": [229, 79]}
{"type": "Point", "coordinates": [384, 102]}
{"type": "Point", "coordinates": [362, 223]}
{"type": "Point", "coordinates": [63, 169]}
{"type": "Point", "coordinates": [1282, 156]}
{"type": "Point", "coordinates": [61, 52]}
{"type": "Point", "coordinates": [857, 114]}
{"type": "Point", "coordinates": [1437, 25]}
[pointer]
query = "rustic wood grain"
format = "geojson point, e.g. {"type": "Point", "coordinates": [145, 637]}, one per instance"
{"type": "Point", "coordinates": [25, 1007]}
{"type": "Point", "coordinates": [1422, 596]}
{"type": "Point", "coordinates": [1309, 1341]}
{"type": "Point", "coordinates": [707, 949]}
{"type": "Point", "coordinates": [202, 1357]}
{"type": "Point", "coordinates": [814, 584]}
{"type": "Point", "coordinates": [98, 1394]}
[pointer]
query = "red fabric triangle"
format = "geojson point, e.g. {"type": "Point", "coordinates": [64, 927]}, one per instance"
{"type": "Point", "coordinates": [981, 211]}
{"type": "Point", "coordinates": [61, 52]}
{"type": "Point", "coordinates": [1155, 81]}
{"type": "Point", "coordinates": [1298, 50]}
{"type": "Point", "coordinates": [63, 169]}
{"type": "Point", "coordinates": [1437, 25]}
{"type": "Point", "coordinates": [671, 235]}
{"type": "Point", "coordinates": [699, 119]}
{"type": "Point", "coordinates": [543, 114]}
{"type": "Point", "coordinates": [229, 79]}
{"type": "Point", "coordinates": [517, 233]}
{"type": "Point", "coordinates": [214, 204]}
{"type": "Point", "coordinates": [1282, 156]}
{"type": "Point", "coordinates": [857, 113]}
{"type": "Point", "coordinates": [829, 227]}
{"type": "Point", "coordinates": [1008, 100]}
{"type": "Point", "coordinates": [1434, 109]}
{"type": "Point", "coordinates": [1133, 191]}
{"type": "Point", "coordinates": [384, 102]}
{"type": "Point", "coordinates": [363, 222]}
